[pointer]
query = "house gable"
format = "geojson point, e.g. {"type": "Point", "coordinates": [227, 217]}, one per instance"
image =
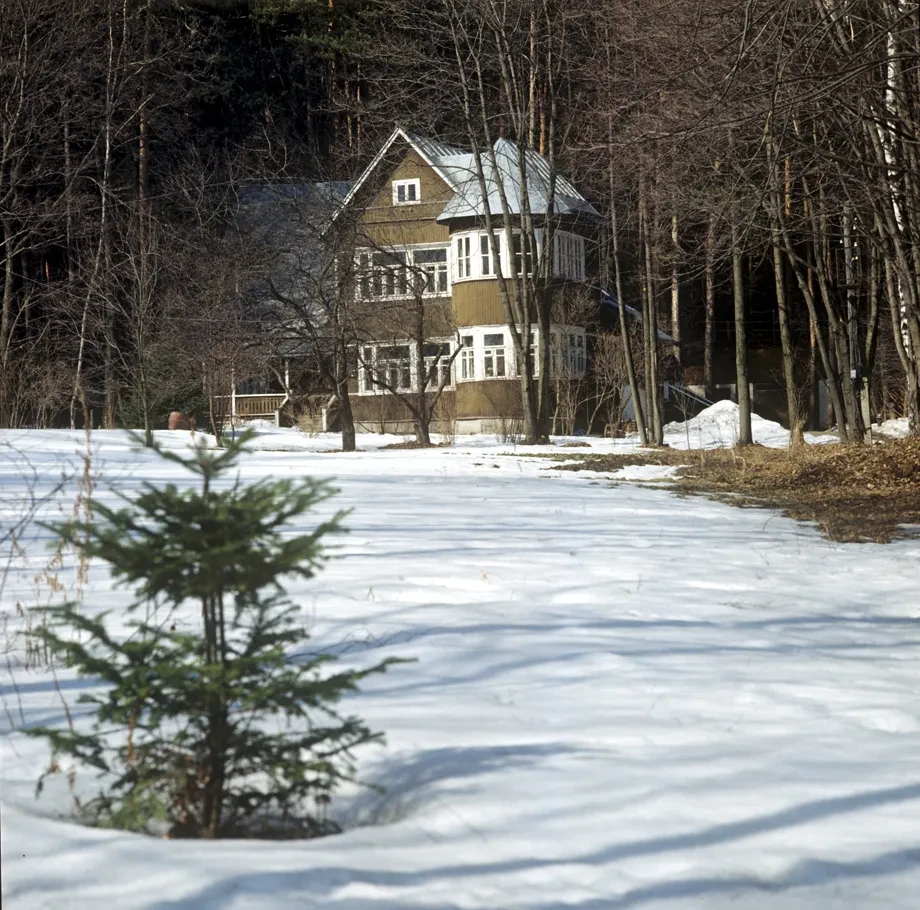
{"type": "Point", "coordinates": [389, 223]}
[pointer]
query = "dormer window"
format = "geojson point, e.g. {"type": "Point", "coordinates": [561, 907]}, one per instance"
{"type": "Point", "coordinates": [407, 192]}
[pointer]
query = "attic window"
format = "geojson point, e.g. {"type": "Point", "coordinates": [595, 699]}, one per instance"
{"type": "Point", "coordinates": [407, 192]}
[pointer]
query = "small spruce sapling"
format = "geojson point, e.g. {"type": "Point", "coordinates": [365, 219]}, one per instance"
{"type": "Point", "coordinates": [207, 726]}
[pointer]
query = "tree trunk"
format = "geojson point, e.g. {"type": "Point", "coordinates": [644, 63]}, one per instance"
{"type": "Point", "coordinates": [710, 308]}
{"type": "Point", "coordinates": [785, 336]}
{"type": "Point", "coordinates": [634, 391]}
{"type": "Point", "coordinates": [542, 364]}
{"type": "Point", "coordinates": [675, 287]}
{"type": "Point", "coordinates": [6, 314]}
{"type": "Point", "coordinates": [745, 434]}
{"type": "Point", "coordinates": [346, 415]}
{"type": "Point", "coordinates": [422, 415]}
{"type": "Point", "coordinates": [650, 330]}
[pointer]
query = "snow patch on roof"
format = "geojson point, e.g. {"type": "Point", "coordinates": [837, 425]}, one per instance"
{"type": "Point", "coordinates": [505, 176]}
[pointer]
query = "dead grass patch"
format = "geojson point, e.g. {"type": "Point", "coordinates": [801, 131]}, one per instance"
{"type": "Point", "coordinates": [412, 444]}
{"type": "Point", "coordinates": [852, 493]}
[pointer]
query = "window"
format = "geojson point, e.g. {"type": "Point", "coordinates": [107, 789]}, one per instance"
{"type": "Point", "coordinates": [485, 252]}
{"type": "Point", "coordinates": [434, 265]}
{"type": "Point", "coordinates": [494, 355]}
{"type": "Point", "coordinates": [523, 255]}
{"type": "Point", "coordinates": [463, 257]}
{"type": "Point", "coordinates": [534, 363]}
{"type": "Point", "coordinates": [387, 273]}
{"type": "Point", "coordinates": [390, 274]}
{"type": "Point", "coordinates": [382, 275]}
{"type": "Point", "coordinates": [406, 192]}
{"type": "Point", "coordinates": [394, 367]}
{"type": "Point", "coordinates": [467, 358]}
{"type": "Point", "coordinates": [570, 256]}
{"type": "Point", "coordinates": [576, 353]}
{"type": "Point", "coordinates": [369, 370]}
{"type": "Point", "coordinates": [437, 358]}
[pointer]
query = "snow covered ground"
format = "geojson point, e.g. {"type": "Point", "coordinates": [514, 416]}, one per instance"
{"type": "Point", "coordinates": [622, 699]}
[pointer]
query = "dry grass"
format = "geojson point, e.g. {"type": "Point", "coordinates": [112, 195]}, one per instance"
{"type": "Point", "coordinates": [852, 493]}
{"type": "Point", "coordinates": [413, 444]}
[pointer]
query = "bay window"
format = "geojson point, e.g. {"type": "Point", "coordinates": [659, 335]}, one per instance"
{"type": "Point", "coordinates": [577, 353]}
{"type": "Point", "coordinates": [467, 358]}
{"type": "Point", "coordinates": [493, 355]}
{"type": "Point", "coordinates": [523, 254]}
{"type": "Point", "coordinates": [463, 257]}
{"type": "Point", "coordinates": [485, 250]}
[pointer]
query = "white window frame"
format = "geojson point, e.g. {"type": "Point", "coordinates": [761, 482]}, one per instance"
{"type": "Point", "coordinates": [569, 256]}
{"type": "Point", "coordinates": [467, 358]}
{"type": "Point", "coordinates": [403, 365]}
{"type": "Point", "coordinates": [371, 362]}
{"type": "Point", "coordinates": [444, 365]}
{"type": "Point", "coordinates": [464, 257]}
{"type": "Point", "coordinates": [494, 356]}
{"type": "Point", "coordinates": [435, 270]}
{"type": "Point", "coordinates": [486, 258]}
{"type": "Point", "coordinates": [413, 183]}
{"type": "Point", "coordinates": [398, 278]}
{"type": "Point", "coordinates": [576, 352]}
{"type": "Point", "coordinates": [474, 260]}
{"type": "Point", "coordinates": [520, 256]}
{"type": "Point", "coordinates": [569, 349]}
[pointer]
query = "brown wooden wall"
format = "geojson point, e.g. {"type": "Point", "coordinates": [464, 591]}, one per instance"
{"type": "Point", "coordinates": [489, 398]}
{"type": "Point", "coordinates": [478, 303]}
{"type": "Point", "coordinates": [486, 399]}
{"type": "Point", "coordinates": [398, 225]}
{"type": "Point", "coordinates": [394, 320]}
{"type": "Point", "coordinates": [379, 411]}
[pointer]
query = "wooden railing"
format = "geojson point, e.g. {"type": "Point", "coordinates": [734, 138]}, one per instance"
{"type": "Point", "coordinates": [252, 405]}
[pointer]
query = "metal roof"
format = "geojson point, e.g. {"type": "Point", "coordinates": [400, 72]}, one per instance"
{"type": "Point", "coordinates": [506, 175]}
{"type": "Point", "coordinates": [457, 168]}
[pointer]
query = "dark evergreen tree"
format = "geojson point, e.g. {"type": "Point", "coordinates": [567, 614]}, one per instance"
{"type": "Point", "coordinates": [214, 721]}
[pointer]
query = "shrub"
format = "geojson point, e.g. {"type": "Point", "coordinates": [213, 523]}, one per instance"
{"type": "Point", "coordinates": [209, 727]}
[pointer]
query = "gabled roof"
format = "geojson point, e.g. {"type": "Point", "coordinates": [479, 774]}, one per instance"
{"type": "Point", "coordinates": [457, 168]}
{"type": "Point", "coordinates": [431, 151]}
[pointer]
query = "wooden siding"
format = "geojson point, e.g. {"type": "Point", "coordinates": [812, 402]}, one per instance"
{"type": "Point", "coordinates": [478, 303]}
{"type": "Point", "coordinates": [388, 321]}
{"type": "Point", "coordinates": [489, 398]}
{"type": "Point", "coordinates": [387, 224]}
{"type": "Point", "coordinates": [486, 399]}
{"type": "Point", "coordinates": [382, 412]}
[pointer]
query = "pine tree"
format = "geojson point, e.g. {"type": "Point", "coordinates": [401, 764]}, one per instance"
{"type": "Point", "coordinates": [213, 722]}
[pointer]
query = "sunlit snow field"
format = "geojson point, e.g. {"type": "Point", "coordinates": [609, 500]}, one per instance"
{"type": "Point", "coordinates": [622, 698]}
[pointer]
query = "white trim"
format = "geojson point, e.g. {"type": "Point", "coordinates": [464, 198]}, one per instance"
{"type": "Point", "coordinates": [576, 246]}
{"type": "Point", "coordinates": [505, 260]}
{"type": "Point", "coordinates": [414, 182]}
{"type": "Point", "coordinates": [375, 346]}
{"type": "Point", "coordinates": [409, 253]}
{"type": "Point", "coordinates": [559, 332]}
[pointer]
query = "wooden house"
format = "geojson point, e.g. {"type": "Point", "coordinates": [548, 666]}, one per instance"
{"type": "Point", "coordinates": [420, 212]}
